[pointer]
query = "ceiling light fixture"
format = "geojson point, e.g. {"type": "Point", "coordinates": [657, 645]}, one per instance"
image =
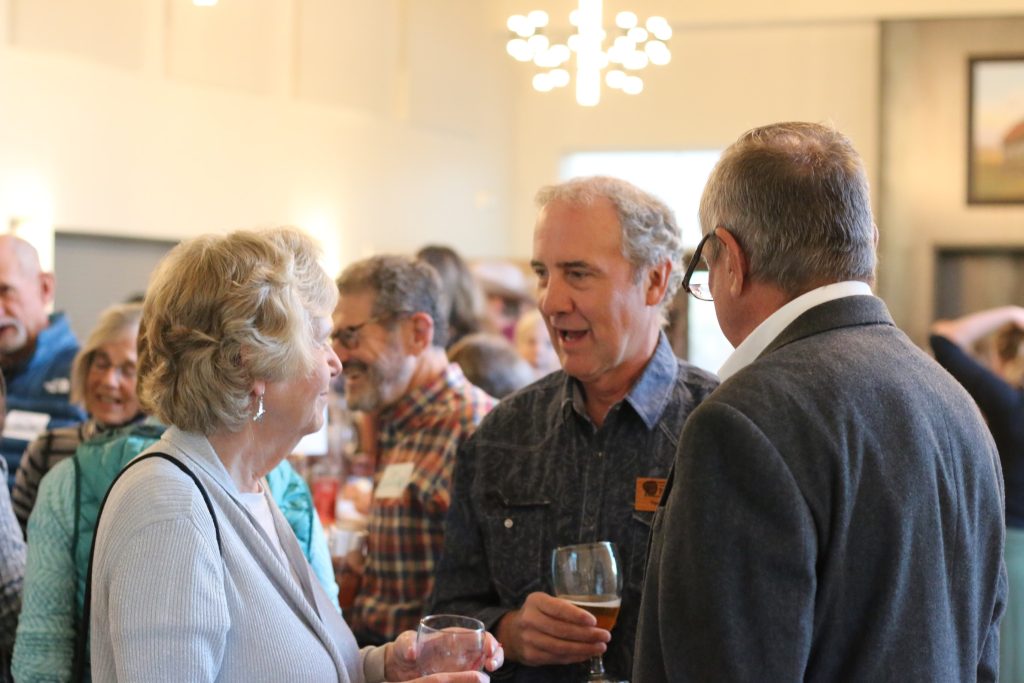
{"type": "Point", "coordinates": [635, 47]}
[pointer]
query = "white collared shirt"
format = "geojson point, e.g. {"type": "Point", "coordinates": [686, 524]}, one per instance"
{"type": "Point", "coordinates": [772, 326]}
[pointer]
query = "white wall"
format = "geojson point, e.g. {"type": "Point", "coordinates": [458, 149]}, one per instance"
{"type": "Point", "coordinates": [172, 134]}
{"type": "Point", "coordinates": [721, 82]}
{"type": "Point", "coordinates": [384, 125]}
{"type": "Point", "coordinates": [924, 195]}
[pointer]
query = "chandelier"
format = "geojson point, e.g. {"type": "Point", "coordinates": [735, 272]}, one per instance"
{"type": "Point", "coordinates": [635, 47]}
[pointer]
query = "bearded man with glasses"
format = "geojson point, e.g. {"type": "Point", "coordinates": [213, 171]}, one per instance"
{"type": "Point", "coordinates": [390, 334]}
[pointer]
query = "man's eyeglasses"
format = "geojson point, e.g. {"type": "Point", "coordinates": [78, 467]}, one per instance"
{"type": "Point", "coordinates": [701, 290]}
{"type": "Point", "coordinates": [348, 337]}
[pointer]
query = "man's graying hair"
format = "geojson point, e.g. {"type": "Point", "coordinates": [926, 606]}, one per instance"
{"type": "Point", "coordinates": [400, 285]}
{"type": "Point", "coordinates": [795, 196]}
{"type": "Point", "coordinates": [650, 234]}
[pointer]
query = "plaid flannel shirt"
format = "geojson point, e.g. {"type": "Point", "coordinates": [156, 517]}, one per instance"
{"type": "Point", "coordinates": [406, 532]}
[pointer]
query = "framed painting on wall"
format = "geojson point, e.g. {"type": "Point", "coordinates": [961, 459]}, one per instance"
{"type": "Point", "coordinates": [995, 145]}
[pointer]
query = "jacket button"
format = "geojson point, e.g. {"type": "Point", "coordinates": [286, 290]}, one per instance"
{"type": "Point", "coordinates": [509, 523]}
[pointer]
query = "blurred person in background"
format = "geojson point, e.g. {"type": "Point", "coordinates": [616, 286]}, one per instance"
{"type": "Point", "coordinates": [103, 382]}
{"type": "Point", "coordinates": [462, 299]}
{"type": "Point", "coordinates": [490, 362]}
{"type": "Point", "coordinates": [999, 394]}
{"type": "Point", "coordinates": [390, 333]}
{"type": "Point", "coordinates": [234, 355]}
{"type": "Point", "coordinates": [506, 295]}
{"type": "Point", "coordinates": [534, 344]}
{"type": "Point", "coordinates": [36, 351]}
{"type": "Point", "coordinates": [12, 564]}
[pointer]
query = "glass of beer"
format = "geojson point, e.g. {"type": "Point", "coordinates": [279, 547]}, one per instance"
{"type": "Point", "coordinates": [588, 576]}
{"type": "Point", "coordinates": [448, 643]}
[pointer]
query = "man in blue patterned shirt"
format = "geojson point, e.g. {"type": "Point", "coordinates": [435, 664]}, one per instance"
{"type": "Point", "coordinates": [581, 455]}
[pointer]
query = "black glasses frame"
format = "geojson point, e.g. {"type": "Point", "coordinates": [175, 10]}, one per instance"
{"type": "Point", "coordinates": [348, 336]}
{"type": "Point", "coordinates": [699, 290]}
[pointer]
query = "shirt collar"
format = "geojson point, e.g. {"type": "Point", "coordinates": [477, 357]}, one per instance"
{"type": "Point", "coordinates": [649, 395]}
{"type": "Point", "coordinates": [418, 399]}
{"type": "Point", "coordinates": [770, 328]}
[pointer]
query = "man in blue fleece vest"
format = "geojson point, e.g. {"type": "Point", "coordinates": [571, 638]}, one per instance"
{"type": "Point", "coordinates": [36, 350]}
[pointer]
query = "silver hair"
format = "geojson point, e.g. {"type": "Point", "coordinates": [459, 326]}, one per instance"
{"type": "Point", "coordinates": [650, 234]}
{"type": "Point", "coordinates": [222, 311]}
{"type": "Point", "coordinates": [795, 196]}
{"type": "Point", "coordinates": [400, 285]}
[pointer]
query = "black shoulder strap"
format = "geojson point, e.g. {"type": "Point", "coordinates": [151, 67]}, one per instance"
{"type": "Point", "coordinates": [82, 634]}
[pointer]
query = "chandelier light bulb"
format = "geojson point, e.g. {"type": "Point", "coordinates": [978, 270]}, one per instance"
{"type": "Point", "coordinates": [658, 52]}
{"type": "Point", "coordinates": [538, 18]}
{"type": "Point", "coordinates": [625, 20]}
{"type": "Point", "coordinates": [519, 49]}
{"type": "Point", "coordinates": [546, 59]}
{"type": "Point", "coordinates": [635, 61]}
{"type": "Point", "coordinates": [560, 53]}
{"type": "Point", "coordinates": [659, 27]}
{"type": "Point", "coordinates": [615, 78]}
{"type": "Point", "coordinates": [633, 85]}
{"type": "Point", "coordinates": [538, 43]}
{"type": "Point", "coordinates": [586, 57]}
{"type": "Point", "coordinates": [559, 77]}
{"type": "Point", "coordinates": [637, 34]}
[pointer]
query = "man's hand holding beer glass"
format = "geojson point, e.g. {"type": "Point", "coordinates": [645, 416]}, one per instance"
{"type": "Point", "coordinates": [575, 626]}
{"type": "Point", "coordinates": [550, 630]}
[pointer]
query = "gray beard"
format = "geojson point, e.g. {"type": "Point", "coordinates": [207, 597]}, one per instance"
{"type": "Point", "coordinates": [384, 384]}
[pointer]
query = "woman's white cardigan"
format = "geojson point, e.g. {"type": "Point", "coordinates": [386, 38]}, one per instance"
{"type": "Point", "coordinates": [167, 605]}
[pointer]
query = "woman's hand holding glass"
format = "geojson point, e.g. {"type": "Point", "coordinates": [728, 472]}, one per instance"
{"type": "Point", "coordinates": [401, 663]}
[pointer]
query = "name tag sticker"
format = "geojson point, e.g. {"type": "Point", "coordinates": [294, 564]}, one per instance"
{"type": "Point", "coordinates": [394, 480]}
{"type": "Point", "coordinates": [648, 493]}
{"type": "Point", "coordinates": [25, 425]}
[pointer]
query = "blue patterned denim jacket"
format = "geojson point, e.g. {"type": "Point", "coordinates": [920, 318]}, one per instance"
{"type": "Point", "coordinates": [537, 475]}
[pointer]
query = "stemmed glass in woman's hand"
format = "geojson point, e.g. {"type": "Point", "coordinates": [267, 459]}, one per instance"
{"type": "Point", "coordinates": [447, 643]}
{"type": "Point", "coordinates": [587, 575]}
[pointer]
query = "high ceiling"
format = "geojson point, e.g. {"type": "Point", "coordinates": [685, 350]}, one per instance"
{"type": "Point", "coordinates": [694, 13]}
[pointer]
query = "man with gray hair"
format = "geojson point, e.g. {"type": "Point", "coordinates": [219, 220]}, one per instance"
{"type": "Point", "coordinates": [36, 351]}
{"type": "Point", "coordinates": [390, 335]}
{"type": "Point", "coordinates": [835, 508]}
{"type": "Point", "coordinates": [581, 455]}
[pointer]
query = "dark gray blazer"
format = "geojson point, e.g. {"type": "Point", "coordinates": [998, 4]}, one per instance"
{"type": "Point", "coordinates": [835, 513]}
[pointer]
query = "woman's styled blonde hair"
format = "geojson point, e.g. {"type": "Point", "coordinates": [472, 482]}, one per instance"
{"type": "Point", "coordinates": [223, 311]}
{"type": "Point", "coordinates": [114, 322]}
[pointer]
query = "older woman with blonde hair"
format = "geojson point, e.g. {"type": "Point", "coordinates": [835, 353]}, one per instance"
{"type": "Point", "coordinates": [103, 382]}
{"type": "Point", "coordinates": [195, 574]}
